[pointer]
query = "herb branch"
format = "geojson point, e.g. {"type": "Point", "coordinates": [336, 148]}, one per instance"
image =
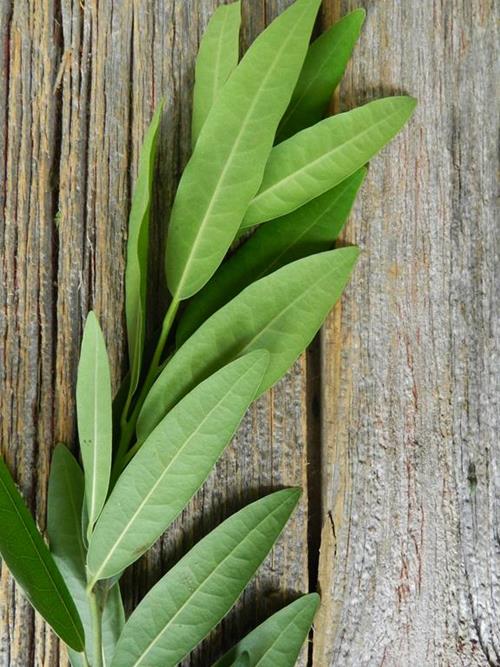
{"type": "Point", "coordinates": [266, 159]}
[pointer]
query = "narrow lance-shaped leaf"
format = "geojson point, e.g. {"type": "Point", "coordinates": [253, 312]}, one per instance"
{"type": "Point", "coordinates": [280, 313]}
{"type": "Point", "coordinates": [312, 228]}
{"type": "Point", "coordinates": [137, 251]}
{"type": "Point", "coordinates": [228, 161]}
{"type": "Point", "coordinates": [94, 411]}
{"type": "Point", "coordinates": [199, 591]}
{"type": "Point", "coordinates": [29, 560]}
{"type": "Point", "coordinates": [172, 465]}
{"type": "Point", "coordinates": [278, 640]}
{"type": "Point", "coordinates": [64, 512]}
{"type": "Point", "coordinates": [217, 57]}
{"type": "Point", "coordinates": [323, 69]}
{"type": "Point", "coordinates": [113, 622]}
{"type": "Point", "coordinates": [318, 158]}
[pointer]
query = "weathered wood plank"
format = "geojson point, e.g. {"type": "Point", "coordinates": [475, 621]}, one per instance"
{"type": "Point", "coordinates": [410, 554]}
{"type": "Point", "coordinates": [409, 478]}
{"type": "Point", "coordinates": [82, 81]}
{"type": "Point", "coordinates": [29, 66]}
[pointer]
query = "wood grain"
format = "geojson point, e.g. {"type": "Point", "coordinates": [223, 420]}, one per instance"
{"type": "Point", "coordinates": [410, 559]}
{"type": "Point", "coordinates": [404, 482]}
{"type": "Point", "coordinates": [81, 81]}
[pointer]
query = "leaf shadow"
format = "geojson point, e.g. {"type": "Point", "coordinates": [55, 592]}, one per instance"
{"type": "Point", "coordinates": [259, 600]}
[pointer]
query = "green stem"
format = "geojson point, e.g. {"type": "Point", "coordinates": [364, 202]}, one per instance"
{"type": "Point", "coordinates": [128, 425]}
{"type": "Point", "coordinates": [96, 620]}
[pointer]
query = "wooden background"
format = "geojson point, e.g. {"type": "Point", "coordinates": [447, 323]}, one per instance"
{"type": "Point", "coordinates": [390, 421]}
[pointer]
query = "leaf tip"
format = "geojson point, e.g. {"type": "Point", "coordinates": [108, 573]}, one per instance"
{"type": "Point", "coordinates": [358, 15]}
{"type": "Point", "coordinates": [91, 318]}
{"type": "Point", "coordinates": [350, 252]}
{"type": "Point", "coordinates": [315, 600]}
{"type": "Point", "coordinates": [409, 102]}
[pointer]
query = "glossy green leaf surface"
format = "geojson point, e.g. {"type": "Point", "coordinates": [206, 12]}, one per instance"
{"type": "Point", "coordinates": [217, 58]}
{"type": "Point", "coordinates": [94, 411]}
{"type": "Point", "coordinates": [311, 228]}
{"type": "Point", "coordinates": [318, 158]}
{"type": "Point", "coordinates": [137, 251]}
{"type": "Point", "coordinates": [26, 555]}
{"type": "Point", "coordinates": [280, 313]}
{"type": "Point", "coordinates": [277, 641]}
{"type": "Point", "coordinates": [64, 512]}
{"type": "Point", "coordinates": [228, 161]}
{"type": "Point", "coordinates": [199, 591]}
{"type": "Point", "coordinates": [172, 465]}
{"type": "Point", "coordinates": [323, 69]}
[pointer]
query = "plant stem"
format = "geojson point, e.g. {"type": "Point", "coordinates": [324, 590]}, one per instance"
{"type": "Point", "coordinates": [165, 330]}
{"type": "Point", "coordinates": [128, 425]}
{"type": "Point", "coordinates": [96, 618]}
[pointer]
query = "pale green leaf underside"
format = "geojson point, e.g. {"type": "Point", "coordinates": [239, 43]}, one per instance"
{"type": "Point", "coordinates": [323, 69]}
{"type": "Point", "coordinates": [277, 641]}
{"type": "Point", "coordinates": [136, 271]}
{"type": "Point", "coordinates": [94, 411]}
{"type": "Point", "coordinates": [26, 555]}
{"type": "Point", "coordinates": [199, 591]}
{"type": "Point", "coordinates": [217, 58]}
{"type": "Point", "coordinates": [309, 229]}
{"type": "Point", "coordinates": [227, 164]}
{"type": "Point", "coordinates": [64, 511]}
{"type": "Point", "coordinates": [320, 157]}
{"type": "Point", "coordinates": [172, 465]}
{"type": "Point", "coordinates": [280, 313]}
{"type": "Point", "coordinates": [242, 661]}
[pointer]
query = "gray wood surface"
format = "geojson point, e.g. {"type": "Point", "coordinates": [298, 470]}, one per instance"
{"type": "Point", "coordinates": [410, 563]}
{"type": "Point", "coordinates": [390, 418]}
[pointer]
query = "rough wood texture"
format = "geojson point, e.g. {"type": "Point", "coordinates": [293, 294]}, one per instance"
{"type": "Point", "coordinates": [407, 474]}
{"type": "Point", "coordinates": [410, 558]}
{"type": "Point", "coordinates": [81, 82]}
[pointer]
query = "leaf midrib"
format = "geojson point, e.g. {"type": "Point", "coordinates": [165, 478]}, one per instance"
{"type": "Point", "coordinates": [324, 156]}
{"type": "Point", "coordinates": [211, 574]}
{"type": "Point", "coordinates": [312, 81]}
{"type": "Point", "coordinates": [300, 236]}
{"type": "Point", "coordinates": [228, 162]}
{"type": "Point", "coordinates": [279, 636]}
{"type": "Point", "coordinates": [289, 305]}
{"type": "Point", "coordinates": [95, 438]}
{"type": "Point", "coordinates": [132, 520]}
{"type": "Point", "coordinates": [42, 560]}
{"type": "Point", "coordinates": [218, 59]}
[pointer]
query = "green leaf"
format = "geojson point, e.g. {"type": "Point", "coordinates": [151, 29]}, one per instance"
{"type": "Point", "coordinates": [217, 58]}
{"type": "Point", "coordinates": [137, 251]}
{"type": "Point", "coordinates": [227, 164]}
{"type": "Point", "coordinates": [277, 641]}
{"type": "Point", "coordinates": [323, 69]}
{"type": "Point", "coordinates": [172, 465]}
{"type": "Point", "coordinates": [64, 511]}
{"type": "Point", "coordinates": [30, 563]}
{"type": "Point", "coordinates": [64, 530]}
{"type": "Point", "coordinates": [94, 410]}
{"type": "Point", "coordinates": [242, 661]}
{"type": "Point", "coordinates": [310, 229]}
{"type": "Point", "coordinates": [113, 622]}
{"type": "Point", "coordinates": [280, 313]}
{"type": "Point", "coordinates": [199, 591]}
{"type": "Point", "coordinates": [320, 157]}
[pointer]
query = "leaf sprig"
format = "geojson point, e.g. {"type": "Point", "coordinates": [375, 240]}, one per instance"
{"type": "Point", "coordinates": [262, 150]}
